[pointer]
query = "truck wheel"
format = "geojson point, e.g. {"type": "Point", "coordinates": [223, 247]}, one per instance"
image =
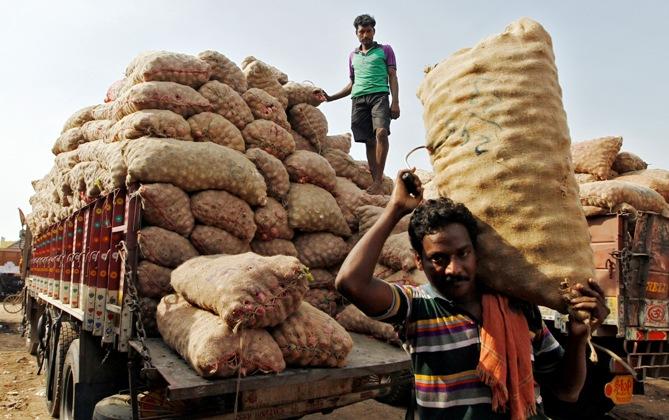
{"type": "Point", "coordinates": [54, 384]}
{"type": "Point", "coordinates": [400, 391]}
{"type": "Point", "coordinates": [33, 314]}
{"type": "Point", "coordinates": [70, 378]}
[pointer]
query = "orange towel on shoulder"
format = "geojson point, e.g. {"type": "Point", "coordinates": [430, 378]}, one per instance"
{"type": "Point", "coordinates": [505, 364]}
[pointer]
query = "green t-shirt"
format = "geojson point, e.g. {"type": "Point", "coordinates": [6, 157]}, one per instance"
{"type": "Point", "coordinates": [369, 70]}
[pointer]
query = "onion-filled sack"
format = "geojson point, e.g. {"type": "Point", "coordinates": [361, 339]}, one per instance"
{"type": "Point", "coordinates": [312, 209]}
{"type": "Point", "coordinates": [368, 215]}
{"type": "Point", "coordinates": [210, 347]}
{"type": "Point", "coordinates": [265, 106]}
{"type": "Point", "coordinates": [612, 194]}
{"type": "Point", "coordinates": [79, 118]}
{"type": "Point", "coordinates": [274, 247]}
{"type": "Point", "coordinates": [323, 279]}
{"type": "Point", "coordinates": [227, 102]}
{"type": "Point", "coordinates": [110, 157]}
{"type": "Point", "coordinates": [628, 162]}
{"type": "Point", "coordinates": [269, 137]}
{"type": "Point", "coordinates": [655, 179]}
{"type": "Point", "coordinates": [209, 126]}
{"type": "Point", "coordinates": [303, 93]}
{"type": "Point", "coordinates": [596, 156]}
{"type": "Point", "coordinates": [211, 240]}
{"type": "Point", "coordinates": [340, 141]}
{"type": "Point", "coordinates": [310, 337]}
{"type": "Point", "coordinates": [152, 123]}
{"type": "Point", "coordinates": [499, 143]}
{"type": "Point", "coordinates": [164, 247]}
{"type": "Point", "coordinates": [96, 129]}
{"type": "Point", "coordinates": [275, 174]}
{"type": "Point", "coordinates": [302, 143]}
{"type": "Point", "coordinates": [263, 76]}
{"type": "Point", "coordinates": [225, 211]}
{"type": "Point", "coordinates": [326, 300]}
{"type": "Point", "coordinates": [168, 207]}
{"type": "Point", "coordinates": [583, 178]}
{"type": "Point", "coordinates": [224, 70]}
{"type": "Point", "coordinates": [272, 222]}
{"type": "Point", "coordinates": [245, 290]}
{"type": "Point", "coordinates": [153, 280]}
{"type": "Point", "coordinates": [167, 66]}
{"type": "Point", "coordinates": [320, 250]}
{"type": "Point", "coordinates": [309, 121]}
{"type": "Point", "coordinates": [397, 252]}
{"type": "Point", "coordinates": [68, 141]}
{"type": "Point", "coordinates": [414, 277]}
{"type": "Point", "coordinates": [310, 168]}
{"type": "Point", "coordinates": [181, 99]}
{"type": "Point", "coordinates": [354, 320]}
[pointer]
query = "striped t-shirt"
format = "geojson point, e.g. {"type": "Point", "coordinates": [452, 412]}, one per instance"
{"type": "Point", "coordinates": [444, 345]}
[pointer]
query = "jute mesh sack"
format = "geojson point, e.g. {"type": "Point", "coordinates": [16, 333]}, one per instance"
{"type": "Point", "coordinates": [339, 141]}
{"type": "Point", "coordinates": [320, 250]}
{"type": "Point", "coordinates": [68, 141]}
{"type": "Point", "coordinates": [326, 300]}
{"type": "Point", "coordinates": [595, 211]}
{"type": "Point", "coordinates": [153, 280]}
{"type": "Point", "coordinates": [354, 320]}
{"type": "Point", "coordinates": [504, 153]}
{"type": "Point", "coordinates": [274, 247]}
{"type": "Point", "coordinates": [164, 247]}
{"type": "Point", "coordinates": [260, 75]}
{"type": "Point", "coordinates": [350, 198]}
{"type": "Point", "coordinates": [368, 215]}
{"type": "Point", "coordinates": [66, 160]}
{"type": "Point", "coordinates": [210, 347]}
{"type": "Point", "coordinates": [277, 74]}
{"type": "Point", "coordinates": [103, 111]}
{"type": "Point", "coordinates": [272, 222]}
{"type": "Point", "coordinates": [303, 93]}
{"type": "Point", "coordinates": [79, 118]}
{"type": "Point", "coordinates": [596, 156]}
{"type": "Point", "coordinates": [96, 129]}
{"type": "Point", "coordinates": [382, 271]}
{"type": "Point", "coordinates": [110, 157]}
{"type": "Point", "coordinates": [413, 277]}
{"type": "Point", "coordinates": [628, 162]}
{"type": "Point", "coordinates": [209, 240]}
{"type": "Point", "coordinates": [312, 209]}
{"type": "Point", "coordinates": [224, 70]}
{"type": "Point", "coordinates": [181, 99]}
{"type": "Point", "coordinates": [166, 66]}
{"type": "Point", "coordinates": [265, 106]}
{"type": "Point", "coordinates": [209, 126]}
{"type": "Point", "coordinates": [310, 337]}
{"type": "Point", "coordinates": [115, 90]}
{"type": "Point", "coordinates": [323, 279]}
{"type": "Point", "coordinates": [226, 101]}
{"type": "Point", "coordinates": [345, 166]}
{"type": "Point", "coordinates": [194, 166]}
{"type": "Point", "coordinates": [269, 137]}
{"type": "Point", "coordinates": [245, 290]}
{"type": "Point", "coordinates": [225, 211]}
{"type": "Point", "coordinates": [275, 174]}
{"type": "Point", "coordinates": [612, 194]}
{"type": "Point", "coordinates": [151, 123]}
{"type": "Point", "coordinates": [310, 168]}
{"type": "Point", "coordinates": [302, 143]}
{"type": "Point", "coordinates": [655, 179]}
{"type": "Point", "coordinates": [168, 207]}
{"type": "Point", "coordinates": [309, 121]}
{"type": "Point", "coordinates": [583, 178]}
{"type": "Point", "coordinates": [397, 252]}
{"type": "Point", "coordinates": [147, 309]}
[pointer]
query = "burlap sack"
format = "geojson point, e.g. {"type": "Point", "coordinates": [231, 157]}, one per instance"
{"type": "Point", "coordinates": [226, 101]}
{"type": "Point", "coordinates": [210, 347]}
{"type": "Point", "coordinates": [103, 111]}
{"type": "Point", "coordinates": [309, 121]}
{"type": "Point", "coordinates": [323, 279]}
{"type": "Point", "coordinates": [312, 209]}
{"type": "Point", "coordinates": [345, 166]}
{"type": "Point", "coordinates": [68, 141]}
{"type": "Point", "coordinates": [583, 178]}
{"type": "Point", "coordinates": [274, 247]}
{"type": "Point", "coordinates": [340, 141]}
{"type": "Point", "coordinates": [628, 162]}
{"type": "Point", "coordinates": [430, 191]}
{"type": "Point", "coordinates": [151, 123]}
{"type": "Point", "coordinates": [325, 300]}
{"type": "Point", "coordinates": [260, 75]}
{"type": "Point", "coordinates": [164, 247]}
{"type": "Point", "coordinates": [225, 211]}
{"type": "Point", "coordinates": [209, 240]}
{"type": "Point", "coordinates": [181, 99]}
{"type": "Point", "coordinates": [96, 129]}
{"type": "Point", "coordinates": [272, 170]}
{"type": "Point", "coordinates": [310, 168]}
{"type": "Point", "coordinates": [594, 211]}
{"type": "Point", "coordinates": [310, 337]}
{"type": "Point", "coordinates": [503, 150]}
{"type": "Point", "coordinates": [303, 144]}
{"type": "Point", "coordinates": [164, 66]}
{"type": "Point", "coordinates": [109, 156]}
{"type": "Point", "coordinates": [269, 137]}
{"type": "Point", "coordinates": [368, 215]}
{"type": "Point", "coordinates": [397, 252]}
{"type": "Point", "coordinates": [79, 118]}
{"type": "Point", "coordinates": [272, 222]}
{"type": "Point", "coordinates": [265, 106]}
{"type": "Point", "coordinates": [354, 320]}
{"type": "Point", "coordinates": [66, 160]}
{"type": "Point", "coordinates": [245, 290]}
{"type": "Point", "coordinates": [209, 126]}
{"type": "Point", "coordinates": [382, 272]}
{"type": "Point", "coordinates": [414, 277]}
{"type": "Point", "coordinates": [596, 156]}
{"type": "Point", "coordinates": [350, 198]}
{"type": "Point", "coordinates": [194, 166]}
{"type": "Point", "coordinates": [612, 194]}
{"type": "Point", "coordinates": [320, 250]}
{"type": "Point", "coordinates": [224, 70]}
{"type": "Point", "coordinates": [303, 93]}
{"type": "Point", "coordinates": [277, 74]}
{"type": "Point", "coordinates": [655, 179]}
{"type": "Point", "coordinates": [168, 207]}
{"type": "Point", "coordinates": [153, 280]}
{"type": "Point", "coordinates": [115, 90]}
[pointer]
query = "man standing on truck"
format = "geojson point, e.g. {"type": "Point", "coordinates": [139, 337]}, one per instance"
{"type": "Point", "coordinates": [474, 353]}
{"type": "Point", "coordinates": [373, 74]}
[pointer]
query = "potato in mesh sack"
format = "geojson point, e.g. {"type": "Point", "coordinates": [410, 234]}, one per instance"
{"type": "Point", "coordinates": [245, 290]}
{"type": "Point", "coordinates": [368, 215]}
{"type": "Point", "coordinates": [628, 162]}
{"type": "Point", "coordinates": [68, 141]}
{"type": "Point", "coordinates": [225, 211]}
{"type": "Point", "coordinates": [326, 300]}
{"type": "Point", "coordinates": [310, 337]}
{"type": "Point", "coordinates": [310, 168]}
{"type": "Point", "coordinates": [210, 347]}
{"type": "Point", "coordinates": [164, 247]}
{"type": "Point", "coordinates": [209, 240]}
{"type": "Point", "coordinates": [181, 99]}
{"type": "Point", "coordinates": [265, 106]}
{"type": "Point", "coordinates": [195, 166]}
{"type": "Point", "coordinates": [168, 207]}
{"type": "Point", "coordinates": [226, 101]}
{"type": "Point", "coordinates": [345, 166]}
{"type": "Point", "coordinates": [655, 179]}
{"type": "Point", "coordinates": [277, 74]}
{"type": "Point", "coordinates": [96, 129]}
{"type": "Point", "coordinates": [224, 70]}
{"type": "Point", "coordinates": [339, 141]}
{"type": "Point", "coordinates": [350, 198]}
{"type": "Point", "coordinates": [167, 66]}
{"type": "Point", "coordinates": [309, 121]}
{"type": "Point", "coordinates": [151, 123]}
{"type": "Point", "coordinates": [153, 280]}
{"type": "Point", "coordinates": [79, 118]}
{"type": "Point", "coordinates": [274, 247]}
{"type": "Point", "coordinates": [213, 127]}
{"type": "Point", "coordinates": [397, 252]}
{"type": "Point", "coordinates": [260, 75]}
{"type": "Point", "coordinates": [612, 194]}
{"type": "Point", "coordinates": [312, 209]}
{"type": "Point", "coordinates": [103, 111]}
{"type": "Point", "coordinates": [596, 156]}
{"type": "Point", "coordinates": [303, 93]}
{"type": "Point", "coordinates": [115, 90]}
{"type": "Point", "coordinates": [272, 222]}
{"type": "Point", "coordinates": [323, 279]}
{"type": "Point", "coordinates": [303, 144]}
{"type": "Point", "coordinates": [320, 250]}
{"type": "Point", "coordinates": [110, 157]}
{"type": "Point", "coordinates": [354, 320]}
{"type": "Point", "coordinates": [269, 137]}
{"type": "Point", "coordinates": [272, 170]}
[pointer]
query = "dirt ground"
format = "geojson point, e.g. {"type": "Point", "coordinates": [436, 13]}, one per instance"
{"type": "Point", "coordinates": [22, 393]}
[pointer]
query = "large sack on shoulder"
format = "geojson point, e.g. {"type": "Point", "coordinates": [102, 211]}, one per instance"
{"type": "Point", "coordinates": [151, 123]}
{"type": "Point", "coordinates": [612, 194]}
{"type": "Point", "coordinates": [210, 347]}
{"type": "Point", "coordinates": [79, 118]}
{"type": "Point", "coordinates": [655, 179]}
{"type": "Point", "coordinates": [164, 247]}
{"type": "Point", "coordinates": [413, 277]}
{"type": "Point", "coordinates": [274, 247]}
{"type": "Point", "coordinates": [628, 162]}
{"type": "Point", "coordinates": [596, 156]}
{"type": "Point", "coordinates": [310, 337]}
{"type": "Point", "coordinates": [225, 211]}
{"type": "Point", "coordinates": [320, 250]}
{"type": "Point", "coordinates": [224, 70]}
{"type": "Point", "coordinates": [309, 121]}
{"type": "Point", "coordinates": [397, 252]}
{"type": "Point", "coordinates": [303, 93]}
{"type": "Point", "coordinates": [96, 129]}
{"type": "Point", "coordinates": [272, 222]}
{"type": "Point", "coordinates": [275, 174]}
{"type": "Point", "coordinates": [313, 209]}
{"type": "Point", "coordinates": [326, 300]}
{"type": "Point", "coordinates": [213, 127]}
{"type": "Point", "coordinates": [167, 66]}
{"type": "Point", "coordinates": [68, 141]}
{"type": "Point", "coordinates": [265, 106]}
{"type": "Point", "coordinates": [310, 168]}
{"type": "Point", "coordinates": [245, 290]}
{"type": "Point", "coordinates": [262, 76]}
{"type": "Point", "coordinates": [168, 207]}
{"type": "Point", "coordinates": [153, 280]}
{"type": "Point", "coordinates": [499, 143]}
{"type": "Point", "coordinates": [181, 99]}
{"type": "Point", "coordinates": [339, 141]}
{"type": "Point", "coordinates": [226, 101]}
{"type": "Point", "coordinates": [269, 137]}
{"type": "Point", "coordinates": [354, 320]}
{"type": "Point", "coordinates": [194, 166]}
{"type": "Point", "coordinates": [209, 240]}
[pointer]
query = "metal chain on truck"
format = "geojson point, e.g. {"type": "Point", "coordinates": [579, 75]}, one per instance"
{"type": "Point", "coordinates": [135, 307]}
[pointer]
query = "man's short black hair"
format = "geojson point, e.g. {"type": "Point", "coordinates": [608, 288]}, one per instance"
{"type": "Point", "coordinates": [364, 20]}
{"type": "Point", "coordinates": [432, 215]}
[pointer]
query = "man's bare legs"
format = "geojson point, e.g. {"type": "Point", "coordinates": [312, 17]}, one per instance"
{"type": "Point", "coordinates": [376, 157]}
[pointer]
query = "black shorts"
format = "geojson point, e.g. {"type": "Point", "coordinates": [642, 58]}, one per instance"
{"type": "Point", "coordinates": [369, 112]}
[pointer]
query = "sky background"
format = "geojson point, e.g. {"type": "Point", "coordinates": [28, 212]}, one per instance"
{"type": "Point", "coordinates": [57, 57]}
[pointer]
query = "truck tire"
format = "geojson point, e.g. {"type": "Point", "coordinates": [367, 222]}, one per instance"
{"type": "Point", "coordinates": [115, 407]}
{"type": "Point", "coordinates": [54, 383]}
{"type": "Point", "coordinates": [400, 391]}
{"type": "Point", "coordinates": [33, 313]}
{"type": "Point", "coordinates": [70, 378]}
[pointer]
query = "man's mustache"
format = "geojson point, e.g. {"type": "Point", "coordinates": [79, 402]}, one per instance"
{"type": "Point", "coordinates": [450, 279]}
